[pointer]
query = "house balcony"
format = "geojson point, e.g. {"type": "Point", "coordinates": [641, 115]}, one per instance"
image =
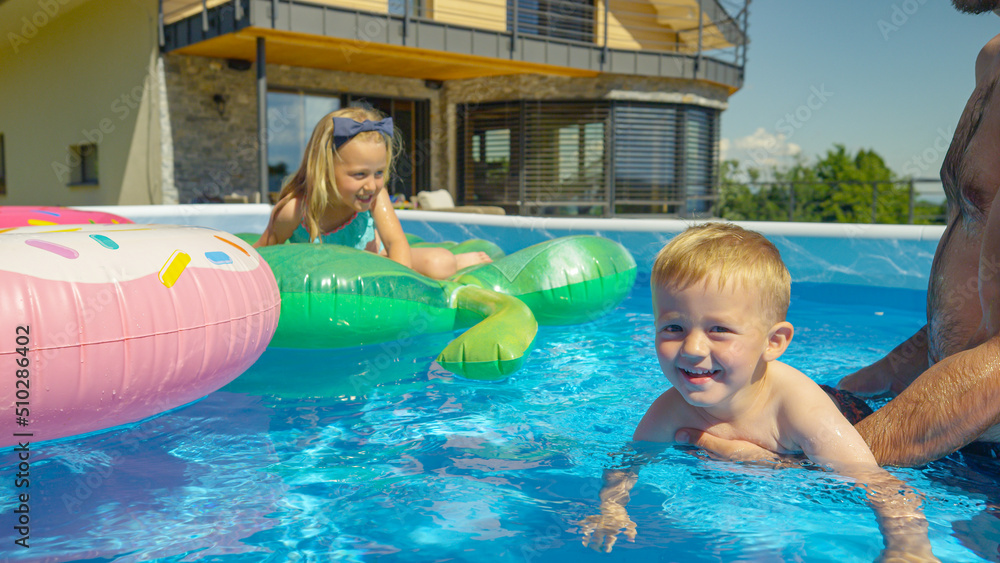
{"type": "Point", "coordinates": [702, 40]}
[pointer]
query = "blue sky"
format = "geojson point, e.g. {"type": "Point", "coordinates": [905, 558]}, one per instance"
{"type": "Point", "coordinates": [892, 76]}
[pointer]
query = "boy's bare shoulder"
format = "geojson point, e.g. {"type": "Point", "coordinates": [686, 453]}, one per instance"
{"type": "Point", "coordinates": [793, 388]}
{"type": "Point", "coordinates": [801, 400]}
{"type": "Point", "coordinates": [790, 382]}
{"type": "Point", "coordinates": [668, 413]}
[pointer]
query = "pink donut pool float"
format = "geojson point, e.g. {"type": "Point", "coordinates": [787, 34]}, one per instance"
{"type": "Point", "coordinates": [105, 325]}
{"type": "Point", "coordinates": [25, 216]}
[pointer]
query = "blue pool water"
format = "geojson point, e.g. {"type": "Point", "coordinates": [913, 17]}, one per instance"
{"type": "Point", "coordinates": [375, 454]}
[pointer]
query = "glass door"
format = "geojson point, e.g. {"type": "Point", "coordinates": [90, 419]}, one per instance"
{"type": "Point", "coordinates": [291, 118]}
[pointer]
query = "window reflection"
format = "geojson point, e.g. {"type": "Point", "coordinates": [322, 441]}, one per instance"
{"type": "Point", "coordinates": [291, 117]}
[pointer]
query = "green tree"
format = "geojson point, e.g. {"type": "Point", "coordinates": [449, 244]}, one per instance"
{"type": "Point", "coordinates": [855, 182]}
{"type": "Point", "coordinates": [739, 202]}
{"type": "Point", "coordinates": [840, 187]}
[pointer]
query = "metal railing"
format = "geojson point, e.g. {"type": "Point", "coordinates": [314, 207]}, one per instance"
{"type": "Point", "coordinates": [689, 27]}
{"type": "Point", "coordinates": [907, 201]}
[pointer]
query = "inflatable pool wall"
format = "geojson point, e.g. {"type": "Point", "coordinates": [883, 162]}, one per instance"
{"type": "Point", "coordinates": [104, 325]}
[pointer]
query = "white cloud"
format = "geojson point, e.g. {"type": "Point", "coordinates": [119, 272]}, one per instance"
{"type": "Point", "coordinates": [723, 149]}
{"type": "Point", "coordinates": [761, 149]}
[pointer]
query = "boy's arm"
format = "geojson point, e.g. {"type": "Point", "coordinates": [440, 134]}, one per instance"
{"type": "Point", "coordinates": [662, 418]}
{"type": "Point", "coordinates": [655, 431]}
{"type": "Point", "coordinates": [390, 231]}
{"type": "Point", "coordinates": [600, 531]}
{"type": "Point", "coordinates": [897, 507]}
{"type": "Point", "coordinates": [828, 439]}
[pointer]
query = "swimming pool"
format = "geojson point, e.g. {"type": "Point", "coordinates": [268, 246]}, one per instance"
{"type": "Point", "coordinates": [375, 454]}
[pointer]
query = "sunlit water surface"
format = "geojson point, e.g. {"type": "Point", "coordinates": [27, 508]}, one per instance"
{"type": "Point", "coordinates": [376, 454]}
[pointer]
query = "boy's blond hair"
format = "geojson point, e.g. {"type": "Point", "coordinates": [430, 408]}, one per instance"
{"type": "Point", "coordinates": [732, 253]}
{"type": "Point", "coordinates": [314, 179]}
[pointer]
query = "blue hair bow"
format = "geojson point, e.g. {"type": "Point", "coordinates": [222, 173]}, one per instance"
{"type": "Point", "coordinates": [345, 128]}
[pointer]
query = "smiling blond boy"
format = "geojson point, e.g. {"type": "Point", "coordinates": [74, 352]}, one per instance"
{"type": "Point", "coordinates": [720, 297]}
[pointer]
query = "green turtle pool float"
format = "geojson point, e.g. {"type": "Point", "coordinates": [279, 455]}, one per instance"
{"type": "Point", "coordinates": [338, 297]}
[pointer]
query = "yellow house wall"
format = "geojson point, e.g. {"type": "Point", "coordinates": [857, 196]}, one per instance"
{"type": "Point", "coordinates": [87, 74]}
{"type": "Point", "coordinates": [482, 14]}
{"type": "Point", "coordinates": [379, 6]}
{"type": "Point", "coordinates": [632, 25]}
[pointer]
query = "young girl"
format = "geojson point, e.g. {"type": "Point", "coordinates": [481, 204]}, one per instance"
{"type": "Point", "coordinates": [337, 196]}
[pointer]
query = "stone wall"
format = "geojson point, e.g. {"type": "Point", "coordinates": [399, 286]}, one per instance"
{"type": "Point", "coordinates": [605, 86]}
{"type": "Point", "coordinates": [216, 154]}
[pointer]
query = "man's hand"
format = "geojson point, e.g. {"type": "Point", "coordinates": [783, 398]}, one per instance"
{"type": "Point", "coordinates": [894, 372]}
{"type": "Point", "coordinates": [600, 532]}
{"type": "Point", "coordinates": [868, 382]}
{"type": "Point", "coordinates": [727, 450]}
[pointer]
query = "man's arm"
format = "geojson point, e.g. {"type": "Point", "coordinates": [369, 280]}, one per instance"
{"type": "Point", "coordinates": [894, 372]}
{"type": "Point", "coordinates": [947, 407]}
{"type": "Point", "coordinates": [957, 399]}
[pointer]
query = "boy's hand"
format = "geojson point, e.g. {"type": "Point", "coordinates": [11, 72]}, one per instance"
{"type": "Point", "coordinates": [907, 556]}
{"type": "Point", "coordinates": [600, 532]}
{"type": "Point", "coordinates": [729, 450]}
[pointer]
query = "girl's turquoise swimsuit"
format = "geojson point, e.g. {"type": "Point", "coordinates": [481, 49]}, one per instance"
{"type": "Point", "coordinates": [358, 232]}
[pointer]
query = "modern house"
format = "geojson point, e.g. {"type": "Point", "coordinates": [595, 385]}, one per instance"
{"type": "Point", "coordinates": [594, 107]}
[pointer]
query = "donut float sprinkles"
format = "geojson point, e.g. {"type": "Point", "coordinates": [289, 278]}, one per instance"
{"type": "Point", "coordinates": [32, 216]}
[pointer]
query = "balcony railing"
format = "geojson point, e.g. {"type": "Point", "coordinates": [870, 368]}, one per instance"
{"type": "Point", "coordinates": [630, 36]}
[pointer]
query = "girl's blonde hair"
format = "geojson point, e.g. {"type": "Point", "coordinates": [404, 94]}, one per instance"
{"type": "Point", "coordinates": [314, 179]}
{"type": "Point", "coordinates": [732, 253]}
